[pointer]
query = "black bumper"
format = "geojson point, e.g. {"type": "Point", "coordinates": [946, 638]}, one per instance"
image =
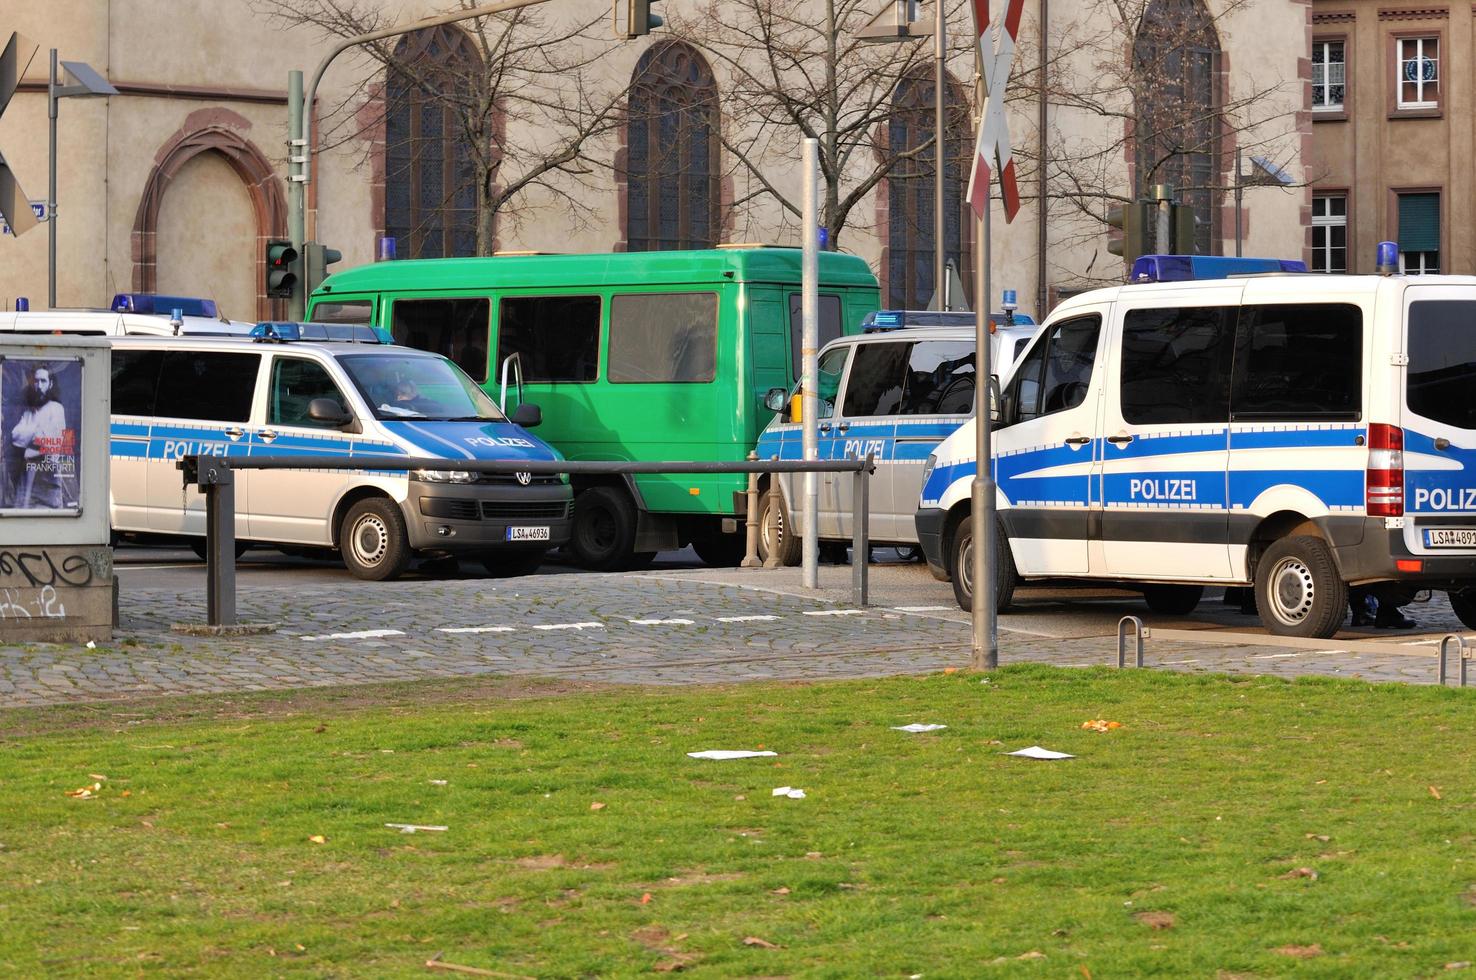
{"type": "Point", "coordinates": [469, 517]}
{"type": "Point", "coordinates": [930, 523]}
{"type": "Point", "coordinates": [1375, 558]}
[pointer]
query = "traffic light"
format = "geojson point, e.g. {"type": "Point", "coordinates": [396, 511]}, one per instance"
{"type": "Point", "coordinates": [281, 271]}
{"type": "Point", "coordinates": [641, 20]}
{"type": "Point", "coordinates": [1184, 224]}
{"type": "Point", "coordinates": [316, 259]}
{"type": "Point", "coordinates": [1132, 219]}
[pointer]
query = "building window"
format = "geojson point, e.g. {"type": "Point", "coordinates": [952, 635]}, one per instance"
{"type": "Point", "coordinates": [1329, 72]}
{"type": "Point", "coordinates": [1177, 112]}
{"type": "Point", "coordinates": [910, 239]}
{"type": "Point", "coordinates": [1419, 233]}
{"type": "Point", "coordinates": [1419, 72]}
{"type": "Point", "coordinates": [671, 172]}
{"type": "Point", "coordinates": [1329, 233]}
{"type": "Point", "coordinates": [430, 192]}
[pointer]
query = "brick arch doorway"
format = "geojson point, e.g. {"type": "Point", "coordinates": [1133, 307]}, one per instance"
{"type": "Point", "coordinates": [214, 132]}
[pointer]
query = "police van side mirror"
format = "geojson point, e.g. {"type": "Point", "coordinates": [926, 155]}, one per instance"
{"type": "Point", "coordinates": [774, 399]}
{"type": "Point", "coordinates": [328, 411]}
{"type": "Point", "coordinates": [527, 415]}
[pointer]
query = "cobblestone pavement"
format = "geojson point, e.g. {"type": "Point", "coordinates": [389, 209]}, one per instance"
{"type": "Point", "coordinates": [677, 627]}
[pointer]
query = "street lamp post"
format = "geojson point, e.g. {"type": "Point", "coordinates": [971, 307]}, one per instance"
{"type": "Point", "coordinates": [86, 82]}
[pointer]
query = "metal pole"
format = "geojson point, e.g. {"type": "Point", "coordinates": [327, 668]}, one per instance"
{"type": "Point", "coordinates": [52, 98]}
{"type": "Point", "coordinates": [776, 505]}
{"type": "Point", "coordinates": [860, 532]}
{"type": "Point", "coordinates": [940, 153]}
{"type": "Point", "coordinates": [1163, 227]}
{"type": "Point", "coordinates": [750, 503]}
{"type": "Point", "coordinates": [809, 369]}
{"type": "Point", "coordinates": [220, 548]}
{"type": "Point", "coordinates": [985, 626]}
{"type": "Point", "coordinates": [1237, 203]}
{"type": "Point", "coordinates": [296, 185]}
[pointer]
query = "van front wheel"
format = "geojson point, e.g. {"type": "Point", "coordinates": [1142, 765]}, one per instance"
{"type": "Point", "coordinates": [1298, 589]}
{"type": "Point", "coordinates": [961, 567]}
{"type": "Point", "coordinates": [603, 535]}
{"type": "Point", "coordinates": [373, 541]}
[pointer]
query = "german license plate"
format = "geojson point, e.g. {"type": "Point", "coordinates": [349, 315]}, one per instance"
{"type": "Point", "coordinates": [1450, 537]}
{"type": "Point", "coordinates": [527, 534]}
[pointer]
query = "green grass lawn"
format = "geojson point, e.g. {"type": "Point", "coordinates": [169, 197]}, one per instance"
{"type": "Point", "coordinates": [1244, 827]}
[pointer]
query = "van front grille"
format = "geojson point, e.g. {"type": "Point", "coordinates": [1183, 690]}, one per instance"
{"type": "Point", "coordinates": [497, 510]}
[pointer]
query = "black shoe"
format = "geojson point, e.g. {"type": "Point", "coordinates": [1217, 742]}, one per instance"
{"type": "Point", "coordinates": [1362, 619]}
{"type": "Point", "coordinates": [1394, 621]}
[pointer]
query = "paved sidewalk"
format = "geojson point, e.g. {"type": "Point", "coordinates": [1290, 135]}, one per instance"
{"type": "Point", "coordinates": [675, 627]}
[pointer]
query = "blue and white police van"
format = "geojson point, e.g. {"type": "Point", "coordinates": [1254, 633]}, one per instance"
{"type": "Point", "coordinates": [347, 393]}
{"type": "Point", "coordinates": [894, 391]}
{"type": "Point", "coordinates": [1298, 433]}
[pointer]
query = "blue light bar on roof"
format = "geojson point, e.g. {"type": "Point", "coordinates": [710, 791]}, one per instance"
{"type": "Point", "coordinates": [290, 331]}
{"type": "Point", "coordinates": [1187, 268]}
{"type": "Point", "coordinates": [158, 303]}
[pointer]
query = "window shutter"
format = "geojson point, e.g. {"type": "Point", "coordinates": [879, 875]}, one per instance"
{"type": "Point", "coordinates": [1419, 222]}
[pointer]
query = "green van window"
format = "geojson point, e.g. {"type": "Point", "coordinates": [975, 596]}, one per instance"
{"type": "Point", "coordinates": [454, 328]}
{"type": "Point", "coordinates": [557, 336]}
{"type": "Point", "coordinates": [668, 338]}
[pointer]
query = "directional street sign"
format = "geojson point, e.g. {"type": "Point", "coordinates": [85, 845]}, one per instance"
{"type": "Point", "coordinates": [14, 61]}
{"type": "Point", "coordinates": [992, 151]}
{"type": "Point", "coordinates": [38, 208]}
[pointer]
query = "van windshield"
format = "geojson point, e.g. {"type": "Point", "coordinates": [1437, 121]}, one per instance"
{"type": "Point", "coordinates": [415, 386]}
{"type": "Point", "coordinates": [1441, 383]}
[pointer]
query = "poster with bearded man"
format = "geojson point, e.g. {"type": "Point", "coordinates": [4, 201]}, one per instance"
{"type": "Point", "coordinates": [40, 411]}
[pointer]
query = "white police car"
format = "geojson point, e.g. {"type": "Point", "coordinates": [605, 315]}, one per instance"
{"type": "Point", "coordinates": [1298, 433]}
{"type": "Point", "coordinates": [279, 395]}
{"type": "Point", "coordinates": [894, 392]}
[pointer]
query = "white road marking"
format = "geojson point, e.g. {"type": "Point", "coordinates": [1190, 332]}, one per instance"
{"type": "Point", "coordinates": [1295, 653]}
{"type": "Point", "coordinates": [661, 622]}
{"type": "Point", "coordinates": [1176, 663]}
{"type": "Point", "coordinates": [925, 608]}
{"type": "Point", "coordinates": [358, 635]}
{"type": "Point", "coordinates": [835, 612]}
{"type": "Point", "coordinates": [570, 626]}
{"type": "Point", "coordinates": [746, 619]}
{"type": "Point", "coordinates": [475, 629]}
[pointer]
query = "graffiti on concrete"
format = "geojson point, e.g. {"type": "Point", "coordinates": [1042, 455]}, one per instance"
{"type": "Point", "coordinates": [42, 603]}
{"type": "Point", "coordinates": [41, 568]}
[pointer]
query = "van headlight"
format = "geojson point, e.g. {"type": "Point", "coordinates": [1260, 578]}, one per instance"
{"type": "Point", "coordinates": [928, 467]}
{"type": "Point", "coordinates": [444, 476]}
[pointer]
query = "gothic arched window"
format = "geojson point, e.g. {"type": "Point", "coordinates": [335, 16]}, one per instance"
{"type": "Point", "coordinates": [910, 193]}
{"type": "Point", "coordinates": [430, 190]}
{"type": "Point", "coordinates": [671, 169]}
{"type": "Point", "coordinates": [1176, 64]}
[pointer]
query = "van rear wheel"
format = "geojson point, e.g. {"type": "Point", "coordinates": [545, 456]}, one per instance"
{"type": "Point", "coordinates": [373, 541]}
{"type": "Point", "coordinates": [1298, 589]}
{"type": "Point", "coordinates": [1173, 600]}
{"type": "Point", "coordinates": [961, 567]}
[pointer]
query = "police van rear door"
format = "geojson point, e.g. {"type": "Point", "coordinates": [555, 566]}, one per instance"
{"type": "Point", "coordinates": [1439, 419]}
{"type": "Point", "coordinates": [1165, 433]}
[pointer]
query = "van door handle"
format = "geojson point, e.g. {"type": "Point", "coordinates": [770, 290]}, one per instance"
{"type": "Point", "coordinates": [1123, 440]}
{"type": "Point", "coordinates": [1078, 441]}
{"type": "Point", "coordinates": [843, 427]}
{"type": "Point", "coordinates": [1442, 443]}
{"type": "Point", "coordinates": [234, 433]}
{"type": "Point", "coordinates": [824, 426]}
{"type": "Point", "coordinates": [266, 435]}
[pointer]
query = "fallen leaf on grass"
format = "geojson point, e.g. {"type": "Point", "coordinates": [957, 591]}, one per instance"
{"type": "Point", "coordinates": [1034, 954]}
{"type": "Point", "coordinates": [1101, 725]}
{"type": "Point", "coordinates": [646, 898]}
{"type": "Point", "coordinates": [780, 891]}
{"type": "Point", "coordinates": [1459, 965]}
{"type": "Point", "coordinates": [84, 792]}
{"type": "Point", "coordinates": [760, 943]}
{"type": "Point", "coordinates": [126, 793]}
{"type": "Point", "coordinates": [1156, 920]}
{"type": "Point", "coordinates": [96, 775]}
{"type": "Point", "coordinates": [950, 670]}
{"type": "Point", "coordinates": [597, 806]}
{"type": "Point", "coordinates": [1322, 837]}
{"type": "Point", "coordinates": [1301, 952]}
{"type": "Point", "coordinates": [1434, 791]}
{"type": "Point", "coordinates": [1301, 873]}
{"type": "Point", "coordinates": [318, 839]}
{"type": "Point", "coordinates": [675, 963]}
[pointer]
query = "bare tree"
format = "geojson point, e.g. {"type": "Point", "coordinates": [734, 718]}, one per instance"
{"type": "Point", "coordinates": [510, 93]}
{"type": "Point", "coordinates": [796, 69]}
{"type": "Point", "coordinates": [1142, 81]}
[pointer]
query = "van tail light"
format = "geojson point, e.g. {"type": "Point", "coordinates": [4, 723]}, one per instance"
{"type": "Point", "coordinates": [1384, 484]}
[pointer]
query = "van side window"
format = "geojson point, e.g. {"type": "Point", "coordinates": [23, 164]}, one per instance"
{"type": "Point", "coordinates": [940, 378]}
{"type": "Point", "coordinates": [354, 311]}
{"type": "Point", "coordinates": [828, 320]}
{"type": "Point", "coordinates": [135, 381]}
{"type": "Point", "coordinates": [1176, 365]}
{"type": "Point", "coordinates": [663, 337]}
{"type": "Point", "coordinates": [454, 328]}
{"type": "Point", "coordinates": [1442, 361]}
{"type": "Point", "coordinates": [1056, 371]}
{"type": "Point", "coordinates": [557, 336]}
{"type": "Point", "coordinates": [206, 385]}
{"type": "Point", "coordinates": [295, 383]}
{"type": "Point", "coordinates": [1299, 361]}
{"type": "Point", "coordinates": [832, 365]}
{"type": "Point", "coordinates": [875, 384]}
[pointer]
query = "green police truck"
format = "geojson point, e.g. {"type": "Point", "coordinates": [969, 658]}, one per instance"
{"type": "Point", "coordinates": [629, 356]}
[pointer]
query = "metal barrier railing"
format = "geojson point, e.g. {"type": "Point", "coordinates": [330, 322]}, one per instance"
{"type": "Point", "coordinates": [1464, 652]}
{"type": "Point", "coordinates": [214, 476]}
{"type": "Point", "coordinates": [1140, 633]}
